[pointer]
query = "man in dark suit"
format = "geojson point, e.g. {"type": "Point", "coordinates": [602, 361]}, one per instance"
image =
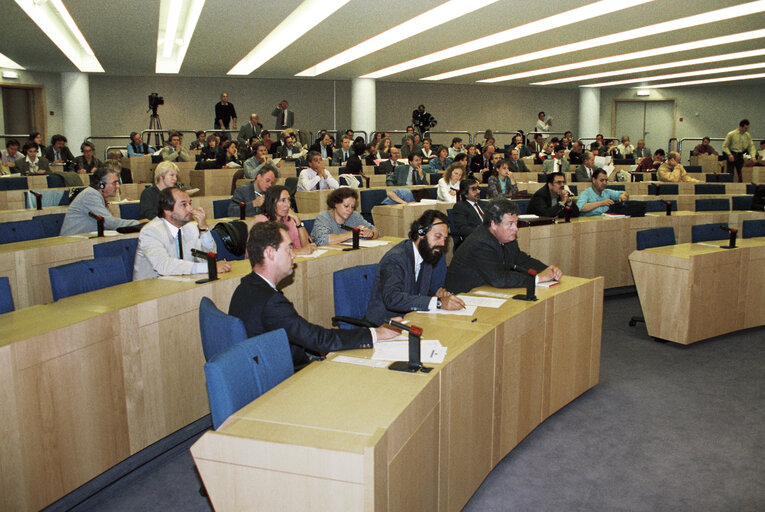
{"type": "Point", "coordinates": [58, 152]}
{"type": "Point", "coordinates": [412, 174]}
{"type": "Point", "coordinates": [284, 118]}
{"type": "Point", "coordinates": [404, 280]}
{"type": "Point", "coordinates": [467, 213]}
{"type": "Point", "coordinates": [323, 146]}
{"type": "Point", "coordinates": [552, 199]}
{"type": "Point", "coordinates": [583, 173]}
{"type": "Point", "coordinates": [491, 256]}
{"type": "Point", "coordinates": [576, 155]}
{"type": "Point", "coordinates": [249, 130]}
{"type": "Point", "coordinates": [263, 308]}
{"type": "Point", "coordinates": [516, 164]}
{"type": "Point", "coordinates": [344, 152]}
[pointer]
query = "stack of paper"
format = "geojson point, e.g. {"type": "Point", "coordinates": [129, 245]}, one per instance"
{"type": "Point", "coordinates": [397, 349]}
{"type": "Point", "coordinates": [367, 243]}
{"type": "Point", "coordinates": [483, 302]}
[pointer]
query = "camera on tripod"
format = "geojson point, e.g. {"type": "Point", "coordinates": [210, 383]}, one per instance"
{"type": "Point", "coordinates": [155, 100]}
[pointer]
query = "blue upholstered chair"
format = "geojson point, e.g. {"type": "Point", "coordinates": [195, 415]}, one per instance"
{"type": "Point", "coordinates": [709, 232]}
{"type": "Point", "coordinates": [124, 248]}
{"type": "Point", "coordinates": [369, 198]}
{"type": "Point", "coordinates": [523, 205]}
{"type": "Point", "coordinates": [709, 188]}
{"type": "Point", "coordinates": [243, 372]}
{"type": "Point", "coordinates": [659, 206]}
{"type": "Point", "coordinates": [220, 208]}
{"type": "Point", "coordinates": [14, 183]}
{"type": "Point", "coordinates": [753, 228]}
{"type": "Point", "coordinates": [352, 290]}
{"type": "Point", "coordinates": [130, 211]}
{"type": "Point", "coordinates": [218, 330]}
{"type": "Point", "coordinates": [647, 238]}
{"type": "Point", "coordinates": [51, 223]}
{"type": "Point", "coordinates": [86, 276]}
{"type": "Point", "coordinates": [308, 223]}
{"type": "Point", "coordinates": [20, 230]}
{"type": "Point", "coordinates": [741, 203]}
{"type": "Point", "coordinates": [573, 188]}
{"type": "Point", "coordinates": [6, 299]}
{"type": "Point", "coordinates": [713, 205]}
{"type": "Point", "coordinates": [55, 181]}
{"type": "Point", "coordinates": [664, 189]}
{"type": "Point", "coordinates": [620, 188]}
{"type": "Point", "coordinates": [223, 253]}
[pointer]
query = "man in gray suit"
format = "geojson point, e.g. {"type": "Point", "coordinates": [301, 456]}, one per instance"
{"type": "Point", "coordinates": [584, 172]}
{"type": "Point", "coordinates": [249, 130]}
{"type": "Point", "coordinates": [516, 164]}
{"type": "Point", "coordinates": [341, 155]}
{"type": "Point", "coordinates": [284, 118]}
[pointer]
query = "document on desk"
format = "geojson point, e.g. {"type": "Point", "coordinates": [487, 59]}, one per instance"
{"type": "Point", "coordinates": [397, 349]}
{"type": "Point", "coordinates": [315, 254]}
{"type": "Point", "coordinates": [94, 234]}
{"type": "Point", "coordinates": [179, 279]}
{"type": "Point", "coordinates": [467, 311]}
{"type": "Point", "coordinates": [360, 361]}
{"type": "Point", "coordinates": [481, 302]}
{"type": "Point", "coordinates": [498, 295]}
{"type": "Point", "coordinates": [367, 243]}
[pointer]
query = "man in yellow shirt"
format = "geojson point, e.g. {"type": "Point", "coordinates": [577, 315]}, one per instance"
{"type": "Point", "coordinates": [738, 142]}
{"type": "Point", "coordinates": [672, 172]}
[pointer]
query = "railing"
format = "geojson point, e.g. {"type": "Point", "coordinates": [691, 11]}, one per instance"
{"type": "Point", "coordinates": [339, 134]}
{"type": "Point", "coordinates": [477, 135]}
{"type": "Point", "coordinates": [21, 138]}
{"type": "Point", "coordinates": [669, 144]}
{"type": "Point", "coordinates": [159, 134]}
{"type": "Point", "coordinates": [593, 139]}
{"type": "Point", "coordinates": [108, 137]}
{"type": "Point", "coordinates": [546, 135]}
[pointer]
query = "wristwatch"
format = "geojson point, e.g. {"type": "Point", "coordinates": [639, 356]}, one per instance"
{"type": "Point", "coordinates": [202, 230]}
{"type": "Point", "coordinates": [438, 303]}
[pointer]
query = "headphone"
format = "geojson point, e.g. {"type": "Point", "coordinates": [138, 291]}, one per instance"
{"type": "Point", "coordinates": [423, 230]}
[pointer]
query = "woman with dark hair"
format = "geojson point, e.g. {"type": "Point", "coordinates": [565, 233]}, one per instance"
{"type": "Point", "coordinates": [441, 162]}
{"type": "Point", "coordinates": [383, 148]}
{"type": "Point", "coordinates": [229, 157]}
{"type": "Point", "coordinates": [276, 207]}
{"type": "Point", "coordinates": [210, 151]}
{"type": "Point", "coordinates": [501, 182]}
{"type": "Point", "coordinates": [333, 226]}
{"type": "Point", "coordinates": [36, 137]}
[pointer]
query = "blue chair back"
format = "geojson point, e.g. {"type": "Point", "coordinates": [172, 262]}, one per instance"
{"type": "Point", "coordinates": [223, 253]}
{"type": "Point", "coordinates": [708, 232]}
{"type": "Point", "coordinates": [724, 178]}
{"type": "Point", "coordinates": [130, 211]}
{"type": "Point", "coordinates": [308, 223]}
{"type": "Point", "coordinates": [713, 205]}
{"type": "Point", "coordinates": [243, 372]}
{"type": "Point", "coordinates": [616, 187]}
{"type": "Point", "coordinates": [664, 189]}
{"type": "Point", "coordinates": [352, 290]}
{"type": "Point", "coordinates": [20, 230]}
{"type": "Point", "coordinates": [693, 168]}
{"type": "Point", "coordinates": [86, 276]}
{"type": "Point", "coordinates": [573, 188]}
{"type": "Point", "coordinates": [438, 277]}
{"type": "Point", "coordinates": [657, 237]}
{"type": "Point", "coordinates": [709, 188]}
{"type": "Point", "coordinates": [15, 183]}
{"type": "Point", "coordinates": [741, 203]}
{"type": "Point", "coordinates": [55, 181]}
{"type": "Point", "coordinates": [433, 178]}
{"type": "Point", "coordinates": [523, 205]}
{"type": "Point", "coordinates": [218, 330]}
{"type": "Point", "coordinates": [6, 299]}
{"type": "Point", "coordinates": [51, 223]}
{"type": "Point", "coordinates": [753, 228]}
{"type": "Point", "coordinates": [659, 206]}
{"type": "Point", "coordinates": [220, 208]}
{"type": "Point", "coordinates": [124, 248]}
{"type": "Point", "coordinates": [751, 188]}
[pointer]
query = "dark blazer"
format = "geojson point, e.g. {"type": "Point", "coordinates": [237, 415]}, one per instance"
{"type": "Point", "coordinates": [66, 155]}
{"type": "Point", "coordinates": [466, 219]}
{"type": "Point", "coordinates": [317, 147]}
{"type": "Point", "coordinates": [278, 113]}
{"type": "Point", "coordinates": [353, 165]}
{"type": "Point", "coordinates": [150, 203]}
{"type": "Point", "coordinates": [482, 260]}
{"type": "Point", "coordinates": [400, 174]}
{"type": "Point", "coordinates": [395, 291]}
{"type": "Point", "coordinates": [337, 156]}
{"type": "Point", "coordinates": [519, 166]}
{"type": "Point", "coordinates": [476, 163]}
{"type": "Point", "coordinates": [263, 309]}
{"type": "Point", "coordinates": [540, 205]}
{"type": "Point", "coordinates": [243, 194]}
{"type": "Point", "coordinates": [575, 158]}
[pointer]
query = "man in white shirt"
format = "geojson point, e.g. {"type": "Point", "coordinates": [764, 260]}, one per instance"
{"type": "Point", "coordinates": [165, 243]}
{"type": "Point", "coordinates": [316, 177]}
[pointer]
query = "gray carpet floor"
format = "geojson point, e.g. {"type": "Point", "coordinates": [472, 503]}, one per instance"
{"type": "Point", "coordinates": [667, 428]}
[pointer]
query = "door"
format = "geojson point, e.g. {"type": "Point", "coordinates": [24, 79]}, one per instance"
{"type": "Point", "coordinates": [653, 121]}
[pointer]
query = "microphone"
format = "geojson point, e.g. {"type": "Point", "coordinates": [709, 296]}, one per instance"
{"type": "Point", "coordinates": [531, 284]}
{"type": "Point", "coordinates": [99, 218]}
{"type": "Point", "coordinates": [414, 364]}
{"type": "Point", "coordinates": [242, 209]}
{"type": "Point", "coordinates": [410, 329]}
{"type": "Point", "coordinates": [212, 268]}
{"type": "Point", "coordinates": [522, 270]}
{"type": "Point", "coordinates": [733, 233]}
{"type": "Point", "coordinates": [99, 223]}
{"type": "Point", "coordinates": [729, 230]}
{"type": "Point", "coordinates": [38, 199]}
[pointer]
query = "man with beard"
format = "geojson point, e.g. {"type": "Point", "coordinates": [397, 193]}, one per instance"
{"type": "Point", "coordinates": [404, 280]}
{"type": "Point", "coordinates": [491, 256]}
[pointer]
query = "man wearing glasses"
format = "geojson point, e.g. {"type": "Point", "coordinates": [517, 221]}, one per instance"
{"type": "Point", "coordinates": [553, 199]}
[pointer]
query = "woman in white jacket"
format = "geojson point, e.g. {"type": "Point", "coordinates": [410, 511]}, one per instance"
{"type": "Point", "coordinates": [449, 185]}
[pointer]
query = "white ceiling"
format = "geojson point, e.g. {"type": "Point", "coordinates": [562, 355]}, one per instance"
{"type": "Point", "coordinates": [123, 36]}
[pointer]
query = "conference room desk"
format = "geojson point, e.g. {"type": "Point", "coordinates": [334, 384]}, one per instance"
{"type": "Point", "coordinates": [91, 379]}
{"type": "Point", "coordinates": [16, 199]}
{"type": "Point", "coordinates": [212, 182]}
{"type": "Point", "coordinates": [685, 202]}
{"type": "Point", "coordinates": [314, 201]}
{"type": "Point", "coordinates": [29, 213]}
{"type": "Point", "coordinates": [396, 219]}
{"type": "Point", "coordinates": [142, 169]}
{"type": "Point", "coordinates": [692, 292]}
{"type": "Point", "coordinates": [753, 174]}
{"type": "Point", "coordinates": [133, 190]}
{"type": "Point", "coordinates": [339, 436]}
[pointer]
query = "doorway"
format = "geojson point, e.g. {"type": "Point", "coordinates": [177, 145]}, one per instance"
{"type": "Point", "coordinates": [23, 110]}
{"type": "Point", "coordinates": [651, 120]}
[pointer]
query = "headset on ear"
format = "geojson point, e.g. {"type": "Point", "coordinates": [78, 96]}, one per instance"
{"type": "Point", "coordinates": [423, 230]}
{"type": "Point", "coordinates": [101, 184]}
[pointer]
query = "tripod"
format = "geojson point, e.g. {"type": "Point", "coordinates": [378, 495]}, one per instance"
{"type": "Point", "coordinates": [156, 124]}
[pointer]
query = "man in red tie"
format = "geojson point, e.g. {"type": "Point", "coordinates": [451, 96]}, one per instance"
{"type": "Point", "coordinates": [285, 118]}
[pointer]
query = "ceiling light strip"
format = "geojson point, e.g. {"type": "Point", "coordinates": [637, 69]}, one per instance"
{"type": "Point", "coordinates": [307, 15]}
{"type": "Point", "coordinates": [653, 52]}
{"type": "Point", "coordinates": [650, 30]}
{"type": "Point", "coordinates": [8, 63]}
{"type": "Point", "coordinates": [656, 67]}
{"type": "Point", "coordinates": [452, 10]}
{"type": "Point", "coordinates": [709, 81]}
{"type": "Point", "coordinates": [535, 27]}
{"type": "Point", "coordinates": [177, 21]}
{"type": "Point", "coordinates": [685, 74]}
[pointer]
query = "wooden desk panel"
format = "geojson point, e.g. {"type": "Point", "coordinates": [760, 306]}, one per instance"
{"type": "Point", "coordinates": [28, 213]}
{"type": "Point", "coordinates": [211, 182]}
{"type": "Point", "coordinates": [396, 219]}
{"type": "Point", "coordinates": [753, 174]}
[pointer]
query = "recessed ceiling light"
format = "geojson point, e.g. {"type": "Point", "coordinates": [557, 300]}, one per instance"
{"type": "Point", "coordinates": [57, 24]}
{"type": "Point", "coordinates": [711, 81]}
{"type": "Point", "coordinates": [307, 15]}
{"type": "Point", "coordinates": [177, 21]}
{"type": "Point", "coordinates": [7, 63]}
{"type": "Point", "coordinates": [451, 10]}
{"type": "Point", "coordinates": [684, 74]}
{"type": "Point", "coordinates": [655, 67]}
{"type": "Point", "coordinates": [620, 37]}
{"type": "Point", "coordinates": [529, 29]}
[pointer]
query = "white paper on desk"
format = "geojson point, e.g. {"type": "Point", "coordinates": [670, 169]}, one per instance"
{"type": "Point", "coordinates": [107, 232]}
{"type": "Point", "coordinates": [315, 254]}
{"type": "Point", "coordinates": [428, 201]}
{"type": "Point", "coordinates": [481, 302]}
{"type": "Point", "coordinates": [708, 244]}
{"type": "Point", "coordinates": [360, 361]}
{"type": "Point", "coordinates": [126, 201]}
{"type": "Point", "coordinates": [528, 216]}
{"type": "Point", "coordinates": [487, 293]}
{"type": "Point", "coordinates": [179, 279]}
{"type": "Point", "coordinates": [467, 311]}
{"type": "Point", "coordinates": [431, 351]}
{"type": "Point", "coordinates": [548, 284]}
{"type": "Point", "coordinates": [614, 216]}
{"type": "Point", "coordinates": [367, 243]}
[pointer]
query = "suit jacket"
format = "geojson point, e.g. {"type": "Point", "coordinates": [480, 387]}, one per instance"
{"type": "Point", "coordinates": [66, 155]}
{"type": "Point", "coordinates": [575, 158]}
{"type": "Point", "coordinates": [482, 260]}
{"type": "Point", "coordinates": [168, 153]}
{"type": "Point", "coordinates": [78, 221]}
{"type": "Point", "coordinates": [476, 164]}
{"type": "Point", "coordinates": [246, 132]}
{"type": "Point", "coordinates": [295, 150]}
{"type": "Point", "coordinates": [400, 174]}
{"type": "Point", "coordinates": [549, 165]}
{"type": "Point", "coordinates": [157, 254]}
{"type": "Point", "coordinates": [317, 147]}
{"type": "Point", "coordinates": [264, 309]}
{"type": "Point", "coordinates": [395, 291]}
{"type": "Point", "coordinates": [337, 156]}
{"type": "Point", "coordinates": [278, 113]}
{"type": "Point", "coordinates": [581, 175]}
{"type": "Point", "coordinates": [386, 167]}
{"type": "Point", "coordinates": [540, 204]}
{"type": "Point", "coordinates": [243, 194]}
{"type": "Point", "coordinates": [465, 218]}
{"type": "Point", "coordinates": [22, 166]}
{"type": "Point", "coordinates": [519, 166]}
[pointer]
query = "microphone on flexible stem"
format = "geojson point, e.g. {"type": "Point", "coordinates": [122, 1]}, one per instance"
{"type": "Point", "coordinates": [414, 364]}
{"type": "Point", "coordinates": [530, 283]}
{"type": "Point", "coordinates": [212, 269]}
{"type": "Point", "coordinates": [733, 234]}
{"type": "Point", "coordinates": [242, 210]}
{"type": "Point", "coordinates": [99, 223]}
{"type": "Point", "coordinates": [38, 199]}
{"type": "Point", "coordinates": [567, 213]}
{"type": "Point", "coordinates": [656, 187]}
{"type": "Point", "coordinates": [669, 208]}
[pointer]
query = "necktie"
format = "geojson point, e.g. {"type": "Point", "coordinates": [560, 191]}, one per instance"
{"type": "Point", "coordinates": [480, 212]}
{"type": "Point", "coordinates": [414, 177]}
{"type": "Point", "coordinates": [345, 156]}
{"type": "Point", "coordinates": [180, 244]}
{"type": "Point", "coordinates": [284, 115]}
{"type": "Point", "coordinates": [58, 155]}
